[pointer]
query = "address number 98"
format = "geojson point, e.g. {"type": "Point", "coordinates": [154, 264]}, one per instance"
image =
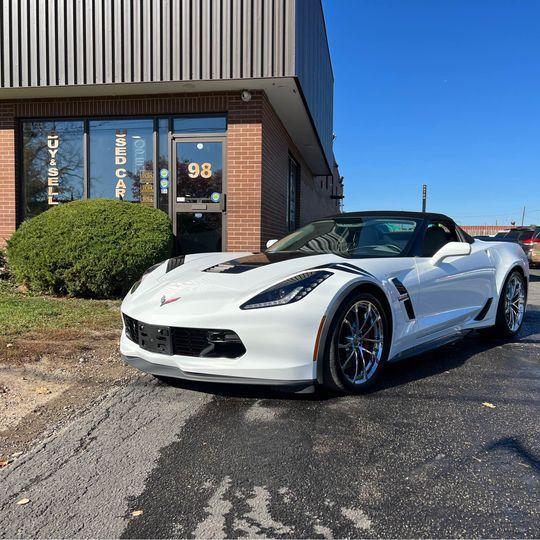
{"type": "Point", "coordinates": [204, 170]}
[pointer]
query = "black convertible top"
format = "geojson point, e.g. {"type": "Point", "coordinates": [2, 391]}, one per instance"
{"type": "Point", "coordinates": [394, 213]}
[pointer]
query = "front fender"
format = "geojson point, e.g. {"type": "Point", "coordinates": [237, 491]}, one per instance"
{"type": "Point", "coordinates": [337, 301]}
{"type": "Point", "coordinates": [507, 257]}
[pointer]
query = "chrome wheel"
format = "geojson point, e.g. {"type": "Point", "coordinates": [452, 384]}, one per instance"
{"type": "Point", "coordinates": [514, 302]}
{"type": "Point", "coordinates": [360, 342]}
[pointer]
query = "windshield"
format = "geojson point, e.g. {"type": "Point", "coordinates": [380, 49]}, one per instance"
{"type": "Point", "coordinates": [356, 238]}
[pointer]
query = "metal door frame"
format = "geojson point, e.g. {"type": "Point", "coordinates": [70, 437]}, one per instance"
{"type": "Point", "coordinates": [173, 205]}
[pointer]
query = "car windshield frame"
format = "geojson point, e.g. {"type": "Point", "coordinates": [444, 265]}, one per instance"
{"type": "Point", "coordinates": [356, 222]}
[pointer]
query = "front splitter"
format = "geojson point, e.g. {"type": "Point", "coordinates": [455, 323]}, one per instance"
{"type": "Point", "coordinates": [161, 370]}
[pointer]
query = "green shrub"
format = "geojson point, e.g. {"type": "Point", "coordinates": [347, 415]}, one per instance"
{"type": "Point", "coordinates": [4, 272]}
{"type": "Point", "coordinates": [93, 248]}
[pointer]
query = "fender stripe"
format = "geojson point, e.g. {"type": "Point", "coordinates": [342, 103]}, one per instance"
{"type": "Point", "coordinates": [344, 267]}
{"type": "Point", "coordinates": [404, 297]}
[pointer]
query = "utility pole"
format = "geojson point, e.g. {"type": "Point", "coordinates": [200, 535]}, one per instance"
{"type": "Point", "coordinates": [424, 197]}
{"type": "Point", "coordinates": [523, 217]}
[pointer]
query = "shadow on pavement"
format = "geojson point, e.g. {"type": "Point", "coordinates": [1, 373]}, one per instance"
{"type": "Point", "coordinates": [514, 446]}
{"type": "Point", "coordinates": [531, 326]}
{"type": "Point", "coordinates": [437, 361]}
{"type": "Point", "coordinates": [247, 391]}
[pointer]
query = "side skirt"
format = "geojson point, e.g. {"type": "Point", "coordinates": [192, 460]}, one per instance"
{"type": "Point", "coordinates": [430, 345]}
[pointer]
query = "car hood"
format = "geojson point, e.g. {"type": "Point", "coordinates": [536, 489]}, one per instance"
{"type": "Point", "coordinates": [211, 280]}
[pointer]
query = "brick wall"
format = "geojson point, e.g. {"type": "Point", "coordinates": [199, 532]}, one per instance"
{"type": "Point", "coordinates": [485, 230]}
{"type": "Point", "coordinates": [313, 197]}
{"type": "Point", "coordinates": [8, 201]}
{"type": "Point", "coordinates": [244, 157]}
{"type": "Point", "coordinates": [316, 197]}
{"type": "Point", "coordinates": [275, 163]}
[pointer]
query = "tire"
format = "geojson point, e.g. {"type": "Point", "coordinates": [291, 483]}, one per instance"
{"type": "Point", "coordinates": [506, 325]}
{"type": "Point", "coordinates": [347, 358]}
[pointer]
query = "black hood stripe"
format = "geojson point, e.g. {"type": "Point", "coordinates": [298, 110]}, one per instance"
{"type": "Point", "coordinates": [256, 260]}
{"type": "Point", "coordinates": [175, 262]}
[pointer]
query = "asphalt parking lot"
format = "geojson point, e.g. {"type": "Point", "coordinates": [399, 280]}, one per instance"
{"type": "Point", "coordinates": [448, 447]}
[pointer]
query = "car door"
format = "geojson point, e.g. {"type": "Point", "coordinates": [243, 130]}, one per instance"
{"type": "Point", "coordinates": [454, 290]}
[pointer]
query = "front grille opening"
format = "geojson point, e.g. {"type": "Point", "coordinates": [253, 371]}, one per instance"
{"type": "Point", "coordinates": [132, 330]}
{"type": "Point", "coordinates": [196, 342]}
{"type": "Point", "coordinates": [206, 343]}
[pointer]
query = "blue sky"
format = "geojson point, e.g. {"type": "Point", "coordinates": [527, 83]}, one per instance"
{"type": "Point", "coordinates": [442, 92]}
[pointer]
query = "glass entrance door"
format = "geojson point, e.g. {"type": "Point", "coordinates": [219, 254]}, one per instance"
{"type": "Point", "coordinates": [199, 197]}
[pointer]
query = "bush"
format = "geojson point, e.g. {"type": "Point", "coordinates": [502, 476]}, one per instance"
{"type": "Point", "coordinates": [93, 248]}
{"type": "Point", "coordinates": [4, 272]}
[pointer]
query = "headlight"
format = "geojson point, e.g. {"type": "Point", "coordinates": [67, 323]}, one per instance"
{"type": "Point", "coordinates": [288, 291]}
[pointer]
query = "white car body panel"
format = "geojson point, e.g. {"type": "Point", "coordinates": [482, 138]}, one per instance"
{"type": "Point", "coordinates": [280, 341]}
{"type": "Point", "coordinates": [453, 290]}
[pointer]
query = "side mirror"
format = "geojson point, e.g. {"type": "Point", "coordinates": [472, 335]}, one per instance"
{"type": "Point", "coordinates": [270, 243]}
{"type": "Point", "coordinates": [452, 249]}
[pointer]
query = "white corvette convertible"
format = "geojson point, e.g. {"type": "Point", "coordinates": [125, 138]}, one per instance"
{"type": "Point", "coordinates": [329, 304]}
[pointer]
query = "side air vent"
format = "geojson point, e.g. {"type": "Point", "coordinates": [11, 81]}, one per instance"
{"type": "Point", "coordinates": [401, 289]}
{"type": "Point", "coordinates": [175, 262]}
{"type": "Point", "coordinates": [404, 297]}
{"type": "Point", "coordinates": [484, 311]}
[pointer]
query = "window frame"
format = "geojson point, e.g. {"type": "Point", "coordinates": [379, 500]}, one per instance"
{"type": "Point", "coordinates": [460, 235]}
{"type": "Point", "coordinates": [292, 223]}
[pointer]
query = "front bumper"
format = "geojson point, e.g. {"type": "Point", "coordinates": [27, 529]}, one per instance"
{"type": "Point", "coordinates": [162, 370]}
{"type": "Point", "coordinates": [279, 343]}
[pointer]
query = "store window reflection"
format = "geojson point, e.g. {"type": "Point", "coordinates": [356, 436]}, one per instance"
{"type": "Point", "coordinates": [52, 164]}
{"type": "Point", "coordinates": [121, 160]}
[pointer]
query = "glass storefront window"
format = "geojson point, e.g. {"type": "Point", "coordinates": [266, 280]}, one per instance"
{"type": "Point", "coordinates": [120, 155]}
{"type": "Point", "coordinates": [121, 160]}
{"type": "Point", "coordinates": [200, 124]}
{"type": "Point", "coordinates": [52, 168]}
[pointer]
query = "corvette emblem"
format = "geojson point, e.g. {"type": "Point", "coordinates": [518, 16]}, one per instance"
{"type": "Point", "coordinates": [164, 300]}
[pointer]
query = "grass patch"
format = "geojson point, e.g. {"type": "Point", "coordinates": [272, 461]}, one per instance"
{"type": "Point", "coordinates": [22, 313]}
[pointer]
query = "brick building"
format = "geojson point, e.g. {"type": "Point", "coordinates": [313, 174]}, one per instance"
{"type": "Point", "coordinates": [485, 230]}
{"type": "Point", "coordinates": [218, 112]}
